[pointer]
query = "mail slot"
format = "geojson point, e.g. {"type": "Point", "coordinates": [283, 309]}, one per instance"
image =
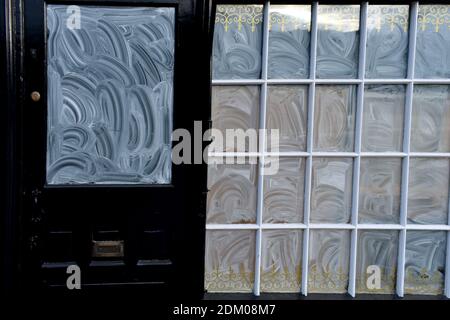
{"type": "Point", "coordinates": [107, 249]}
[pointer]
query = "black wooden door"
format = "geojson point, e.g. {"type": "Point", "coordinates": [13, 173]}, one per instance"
{"type": "Point", "coordinates": [97, 190]}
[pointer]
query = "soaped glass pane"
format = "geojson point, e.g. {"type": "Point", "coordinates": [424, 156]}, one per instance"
{"type": "Point", "coordinates": [287, 112]}
{"type": "Point", "coordinates": [329, 255]}
{"type": "Point", "coordinates": [383, 111]}
{"type": "Point", "coordinates": [230, 260]}
{"type": "Point", "coordinates": [337, 41]}
{"type": "Point", "coordinates": [430, 123]}
{"type": "Point", "coordinates": [428, 191]}
{"type": "Point", "coordinates": [433, 42]}
{"type": "Point", "coordinates": [284, 191]}
{"type": "Point", "coordinates": [387, 41]}
{"type": "Point", "coordinates": [237, 42]}
{"type": "Point", "coordinates": [334, 118]}
{"type": "Point", "coordinates": [236, 107]}
{"type": "Point", "coordinates": [110, 95]}
{"type": "Point", "coordinates": [425, 262]}
{"type": "Point", "coordinates": [331, 190]}
{"type": "Point", "coordinates": [289, 40]}
{"type": "Point", "coordinates": [376, 248]}
{"type": "Point", "coordinates": [379, 190]}
{"type": "Point", "coordinates": [232, 192]}
{"type": "Point", "coordinates": [281, 260]}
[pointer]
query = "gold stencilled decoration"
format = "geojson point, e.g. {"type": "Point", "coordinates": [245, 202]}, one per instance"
{"type": "Point", "coordinates": [327, 281]}
{"type": "Point", "coordinates": [424, 282]}
{"type": "Point", "coordinates": [388, 279]}
{"type": "Point", "coordinates": [379, 16]}
{"type": "Point", "coordinates": [343, 18]}
{"type": "Point", "coordinates": [283, 280]}
{"type": "Point", "coordinates": [435, 17]}
{"type": "Point", "coordinates": [229, 15]}
{"type": "Point", "coordinates": [229, 280]}
{"type": "Point", "coordinates": [287, 18]}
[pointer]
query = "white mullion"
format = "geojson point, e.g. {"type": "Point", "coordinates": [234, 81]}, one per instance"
{"type": "Point", "coordinates": [356, 164]}
{"type": "Point", "coordinates": [262, 148]}
{"type": "Point", "coordinates": [309, 146]}
{"type": "Point", "coordinates": [406, 148]}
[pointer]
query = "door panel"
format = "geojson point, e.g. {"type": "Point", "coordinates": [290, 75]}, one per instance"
{"type": "Point", "coordinates": [99, 188]}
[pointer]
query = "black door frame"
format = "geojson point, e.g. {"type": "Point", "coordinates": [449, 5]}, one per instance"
{"type": "Point", "coordinates": [17, 236]}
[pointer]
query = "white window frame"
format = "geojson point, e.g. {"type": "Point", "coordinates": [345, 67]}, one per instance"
{"type": "Point", "coordinates": [354, 226]}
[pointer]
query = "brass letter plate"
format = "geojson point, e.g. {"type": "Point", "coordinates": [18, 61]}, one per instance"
{"type": "Point", "coordinates": [107, 249]}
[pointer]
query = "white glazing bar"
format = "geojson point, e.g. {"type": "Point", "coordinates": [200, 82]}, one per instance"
{"type": "Point", "coordinates": [372, 226]}
{"type": "Point", "coordinates": [383, 154]}
{"type": "Point", "coordinates": [429, 154]}
{"type": "Point", "coordinates": [337, 226]}
{"type": "Point", "coordinates": [232, 226]}
{"type": "Point", "coordinates": [237, 82]}
{"type": "Point", "coordinates": [357, 161]}
{"type": "Point", "coordinates": [277, 226]}
{"type": "Point", "coordinates": [406, 149]}
{"type": "Point", "coordinates": [262, 146]}
{"type": "Point", "coordinates": [309, 146]}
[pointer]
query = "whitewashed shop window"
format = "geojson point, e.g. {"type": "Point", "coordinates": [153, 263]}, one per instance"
{"type": "Point", "coordinates": [361, 96]}
{"type": "Point", "coordinates": [110, 95]}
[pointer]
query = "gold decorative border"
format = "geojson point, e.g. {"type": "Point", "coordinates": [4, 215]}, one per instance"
{"type": "Point", "coordinates": [338, 17]}
{"type": "Point", "coordinates": [229, 281]}
{"type": "Point", "coordinates": [389, 279]}
{"type": "Point", "coordinates": [328, 280]}
{"type": "Point", "coordinates": [427, 282]}
{"type": "Point", "coordinates": [282, 280]}
{"type": "Point", "coordinates": [433, 15]}
{"type": "Point", "coordinates": [380, 16]}
{"type": "Point", "coordinates": [239, 14]}
{"type": "Point", "coordinates": [289, 22]}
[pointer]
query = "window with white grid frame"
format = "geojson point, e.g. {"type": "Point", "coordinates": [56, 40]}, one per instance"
{"type": "Point", "coordinates": [360, 95]}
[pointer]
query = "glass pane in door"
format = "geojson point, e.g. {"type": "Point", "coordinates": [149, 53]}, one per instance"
{"type": "Point", "coordinates": [110, 94]}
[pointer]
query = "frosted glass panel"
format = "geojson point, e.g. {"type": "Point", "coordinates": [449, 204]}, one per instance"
{"type": "Point", "coordinates": [232, 193]}
{"type": "Point", "coordinates": [287, 112]}
{"type": "Point", "coordinates": [235, 107]}
{"type": "Point", "coordinates": [110, 88]}
{"type": "Point", "coordinates": [383, 112]}
{"type": "Point", "coordinates": [425, 262]}
{"type": "Point", "coordinates": [283, 192]}
{"type": "Point", "coordinates": [430, 124]}
{"type": "Point", "coordinates": [281, 261]}
{"type": "Point", "coordinates": [379, 190]}
{"type": "Point", "coordinates": [289, 39]}
{"type": "Point", "coordinates": [331, 190]}
{"type": "Point", "coordinates": [377, 248]}
{"type": "Point", "coordinates": [334, 118]}
{"type": "Point", "coordinates": [230, 261]}
{"type": "Point", "coordinates": [329, 252]}
{"type": "Point", "coordinates": [387, 41]}
{"type": "Point", "coordinates": [237, 42]}
{"type": "Point", "coordinates": [428, 191]}
{"type": "Point", "coordinates": [337, 41]}
{"type": "Point", "coordinates": [433, 42]}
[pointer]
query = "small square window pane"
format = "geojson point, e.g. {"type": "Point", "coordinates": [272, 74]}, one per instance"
{"type": "Point", "coordinates": [284, 191]}
{"type": "Point", "coordinates": [433, 42]}
{"type": "Point", "coordinates": [337, 41]}
{"type": "Point", "coordinates": [232, 192]}
{"type": "Point", "coordinates": [379, 190]}
{"type": "Point", "coordinates": [281, 260]}
{"type": "Point", "coordinates": [236, 107]}
{"type": "Point", "coordinates": [387, 41]}
{"type": "Point", "coordinates": [334, 118]}
{"type": "Point", "coordinates": [383, 112]}
{"type": "Point", "coordinates": [377, 250]}
{"type": "Point", "coordinates": [425, 262]}
{"type": "Point", "coordinates": [329, 255]}
{"type": "Point", "coordinates": [230, 260]}
{"type": "Point", "coordinates": [237, 42]}
{"type": "Point", "coordinates": [289, 39]}
{"type": "Point", "coordinates": [428, 191]}
{"type": "Point", "coordinates": [287, 112]}
{"type": "Point", "coordinates": [331, 190]}
{"type": "Point", "coordinates": [430, 124]}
